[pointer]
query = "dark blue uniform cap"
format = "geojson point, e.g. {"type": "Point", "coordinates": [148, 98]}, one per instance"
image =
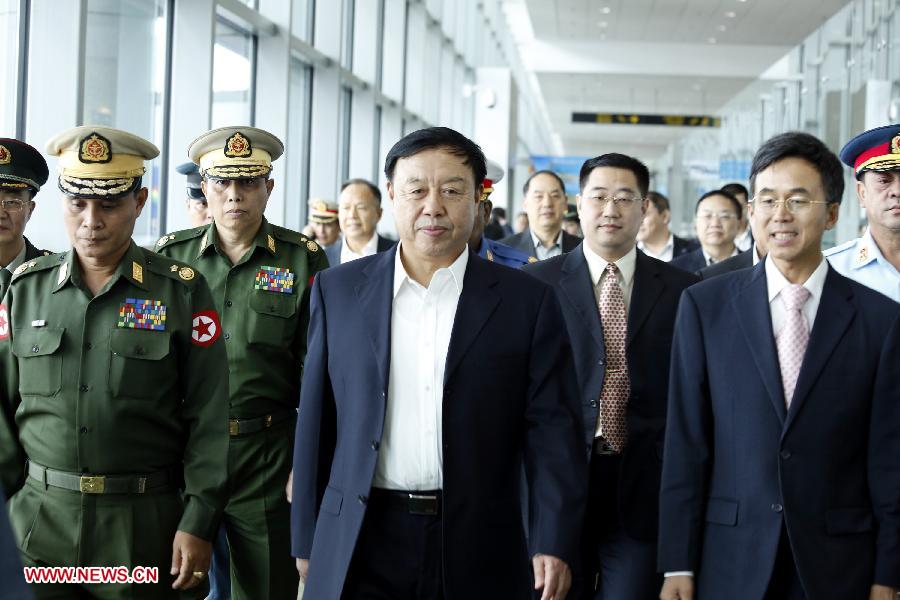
{"type": "Point", "coordinates": [873, 150]}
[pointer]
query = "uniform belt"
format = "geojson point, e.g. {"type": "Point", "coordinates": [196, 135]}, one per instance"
{"type": "Point", "coordinates": [243, 426]}
{"type": "Point", "coordinates": [603, 447]}
{"type": "Point", "coordinates": [414, 502]}
{"type": "Point", "coordinates": [103, 484]}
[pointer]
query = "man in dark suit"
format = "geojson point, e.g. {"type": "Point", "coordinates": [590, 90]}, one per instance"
{"type": "Point", "coordinates": [781, 480]}
{"type": "Point", "coordinates": [23, 171]}
{"type": "Point", "coordinates": [431, 377]}
{"type": "Point", "coordinates": [654, 237]}
{"type": "Point", "coordinates": [715, 219]}
{"type": "Point", "coordinates": [623, 434]}
{"type": "Point", "coordinates": [545, 203]}
{"type": "Point", "coordinates": [359, 210]}
{"type": "Point", "coordinates": [744, 238]}
{"type": "Point", "coordinates": [744, 260]}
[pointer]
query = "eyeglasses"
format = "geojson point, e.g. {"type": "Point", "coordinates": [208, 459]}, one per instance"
{"type": "Point", "coordinates": [12, 206]}
{"type": "Point", "coordinates": [618, 201]}
{"type": "Point", "coordinates": [768, 205]}
{"type": "Point", "coordinates": [721, 216]}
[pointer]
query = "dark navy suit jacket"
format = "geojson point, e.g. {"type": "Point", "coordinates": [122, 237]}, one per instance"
{"type": "Point", "coordinates": [651, 319]}
{"type": "Point", "coordinates": [738, 466]}
{"type": "Point", "coordinates": [692, 261]}
{"type": "Point", "coordinates": [523, 242]}
{"type": "Point", "coordinates": [744, 260]}
{"type": "Point", "coordinates": [508, 397]}
{"type": "Point", "coordinates": [683, 246]}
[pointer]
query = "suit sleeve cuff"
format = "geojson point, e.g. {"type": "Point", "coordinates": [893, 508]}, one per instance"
{"type": "Point", "coordinates": [668, 574]}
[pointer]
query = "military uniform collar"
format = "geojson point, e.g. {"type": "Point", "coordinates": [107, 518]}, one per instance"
{"type": "Point", "coordinates": [265, 238]}
{"type": "Point", "coordinates": [18, 260]}
{"type": "Point", "coordinates": [866, 250]}
{"type": "Point", "coordinates": [131, 267]}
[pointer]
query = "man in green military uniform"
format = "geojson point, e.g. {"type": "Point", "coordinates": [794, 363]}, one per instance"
{"type": "Point", "coordinates": [113, 391]}
{"type": "Point", "coordinates": [260, 277]}
{"type": "Point", "coordinates": [22, 173]}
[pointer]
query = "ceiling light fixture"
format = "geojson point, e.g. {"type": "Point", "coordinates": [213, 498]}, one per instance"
{"type": "Point", "coordinates": [603, 24]}
{"type": "Point", "coordinates": [606, 10]}
{"type": "Point", "coordinates": [730, 14]}
{"type": "Point", "coordinates": [711, 40]}
{"type": "Point", "coordinates": [721, 28]}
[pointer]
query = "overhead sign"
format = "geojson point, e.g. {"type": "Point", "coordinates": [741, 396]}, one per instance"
{"type": "Point", "coordinates": [626, 119]}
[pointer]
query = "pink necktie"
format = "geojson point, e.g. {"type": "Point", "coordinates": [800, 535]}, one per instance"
{"type": "Point", "coordinates": [616, 386]}
{"type": "Point", "coordinates": [792, 339]}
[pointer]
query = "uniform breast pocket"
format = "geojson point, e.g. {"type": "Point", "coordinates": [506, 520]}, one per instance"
{"type": "Point", "coordinates": [271, 318]}
{"type": "Point", "coordinates": [139, 363]}
{"type": "Point", "coordinates": [40, 360]}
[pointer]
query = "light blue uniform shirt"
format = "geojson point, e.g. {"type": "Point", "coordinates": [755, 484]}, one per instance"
{"type": "Point", "coordinates": [862, 261]}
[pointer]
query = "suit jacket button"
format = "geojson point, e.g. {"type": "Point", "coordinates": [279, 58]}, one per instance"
{"type": "Point", "coordinates": [593, 404]}
{"type": "Point", "coordinates": [785, 454]}
{"type": "Point", "coordinates": [777, 507]}
{"type": "Point", "coordinates": [362, 499]}
{"type": "Point", "coordinates": [375, 445]}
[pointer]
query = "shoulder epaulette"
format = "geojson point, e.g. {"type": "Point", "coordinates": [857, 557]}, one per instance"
{"type": "Point", "coordinates": [841, 248]}
{"type": "Point", "coordinates": [294, 237]}
{"type": "Point", "coordinates": [179, 236]}
{"type": "Point", "coordinates": [41, 263]}
{"type": "Point", "coordinates": [169, 267]}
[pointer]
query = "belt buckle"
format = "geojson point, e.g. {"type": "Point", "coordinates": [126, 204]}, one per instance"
{"type": "Point", "coordinates": [141, 485]}
{"type": "Point", "coordinates": [268, 421]}
{"type": "Point", "coordinates": [423, 505]}
{"type": "Point", "coordinates": [233, 427]}
{"type": "Point", "coordinates": [92, 484]}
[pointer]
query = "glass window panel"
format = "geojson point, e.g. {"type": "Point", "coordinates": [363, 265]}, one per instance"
{"type": "Point", "coordinates": [348, 16]}
{"type": "Point", "coordinates": [345, 116]}
{"type": "Point", "coordinates": [9, 29]}
{"type": "Point", "coordinates": [124, 83]}
{"type": "Point", "coordinates": [302, 19]}
{"type": "Point", "coordinates": [297, 142]}
{"type": "Point", "coordinates": [233, 58]}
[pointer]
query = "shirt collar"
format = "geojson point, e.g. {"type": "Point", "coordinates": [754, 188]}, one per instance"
{"type": "Point", "coordinates": [867, 250]}
{"type": "Point", "coordinates": [776, 281]}
{"type": "Point", "coordinates": [264, 238]}
{"type": "Point", "coordinates": [755, 255]}
{"type": "Point", "coordinates": [707, 257]}
{"type": "Point", "coordinates": [670, 244]}
{"type": "Point", "coordinates": [18, 260]}
{"type": "Point", "coordinates": [457, 271]}
{"type": "Point", "coordinates": [597, 264]}
{"type": "Point", "coordinates": [131, 267]}
{"type": "Point", "coordinates": [535, 241]}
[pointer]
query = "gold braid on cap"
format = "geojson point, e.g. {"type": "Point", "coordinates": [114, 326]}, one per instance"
{"type": "Point", "coordinates": [237, 172]}
{"type": "Point", "coordinates": [95, 187]}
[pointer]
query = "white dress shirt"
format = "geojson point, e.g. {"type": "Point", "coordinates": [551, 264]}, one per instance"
{"type": "Point", "coordinates": [743, 240]}
{"type": "Point", "coordinates": [711, 261]}
{"type": "Point", "coordinates": [665, 254]}
{"type": "Point", "coordinates": [411, 456]}
{"type": "Point", "coordinates": [367, 250]}
{"type": "Point", "coordinates": [597, 268]}
{"type": "Point", "coordinates": [775, 282]}
{"type": "Point", "coordinates": [541, 252]}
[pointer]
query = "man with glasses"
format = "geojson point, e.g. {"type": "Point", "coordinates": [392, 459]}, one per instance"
{"type": "Point", "coordinates": [780, 477]}
{"type": "Point", "coordinates": [874, 259]}
{"type": "Point", "coordinates": [260, 275]}
{"type": "Point", "coordinates": [655, 239]}
{"type": "Point", "coordinates": [715, 219]}
{"type": "Point", "coordinates": [622, 365]}
{"type": "Point", "coordinates": [545, 204]}
{"type": "Point", "coordinates": [22, 173]}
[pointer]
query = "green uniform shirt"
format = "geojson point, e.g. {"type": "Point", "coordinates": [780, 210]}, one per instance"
{"type": "Point", "coordinates": [263, 301]}
{"type": "Point", "coordinates": [120, 383]}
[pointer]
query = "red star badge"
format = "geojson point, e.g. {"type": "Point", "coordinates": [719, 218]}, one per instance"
{"type": "Point", "coordinates": [4, 322]}
{"type": "Point", "coordinates": [205, 328]}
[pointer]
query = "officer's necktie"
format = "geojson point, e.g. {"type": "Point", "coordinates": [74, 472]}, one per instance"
{"type": "Point", "coordinates": [5, 276]}
{"type": "Point", "coordinates": [791, 341]}
{"type": "Point", "coordinates": [616, 386]}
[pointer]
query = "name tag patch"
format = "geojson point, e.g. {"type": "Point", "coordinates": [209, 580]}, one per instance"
{"type": "Point", "coordinates": [137, 313]}
{"type": "Point", "coordinates": [275, 279]}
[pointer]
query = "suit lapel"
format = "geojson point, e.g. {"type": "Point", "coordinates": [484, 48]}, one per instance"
{"type": "Point", "coordinates": [833, 317]}
{"type": "Point", "coordinates": [646, 290]}
{"type": "Point", "coordinates": [375, 295]}
{"type": "Point", "coordinates": [525, 244]}
{"type": "Point", "coordinates": [575, 282]}
{"type": "Point", "coordinates": [751, 306]}
{"type": "Point", "coordinates": [477, 303]}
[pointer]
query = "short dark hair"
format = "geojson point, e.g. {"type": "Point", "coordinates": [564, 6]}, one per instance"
{"type": "Point", "coordinates": [499, 212]}
{"type": "Point", "coordinates": [738, 208]}
{"type": "Point", "coordinates": [438, 137]}
{"type": "Point", "coordinates": [359, 181]}
{"type": "Point", "coordinates": [736, 188]}
{"type": "Point", "coordinates": [562, 184]}
{"type": "Point", "coordinates": [619, 161]}
{"type": "Point", "coordinates": [796, 144]}
{"type": "Point", "coordinates": [659, 201]}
